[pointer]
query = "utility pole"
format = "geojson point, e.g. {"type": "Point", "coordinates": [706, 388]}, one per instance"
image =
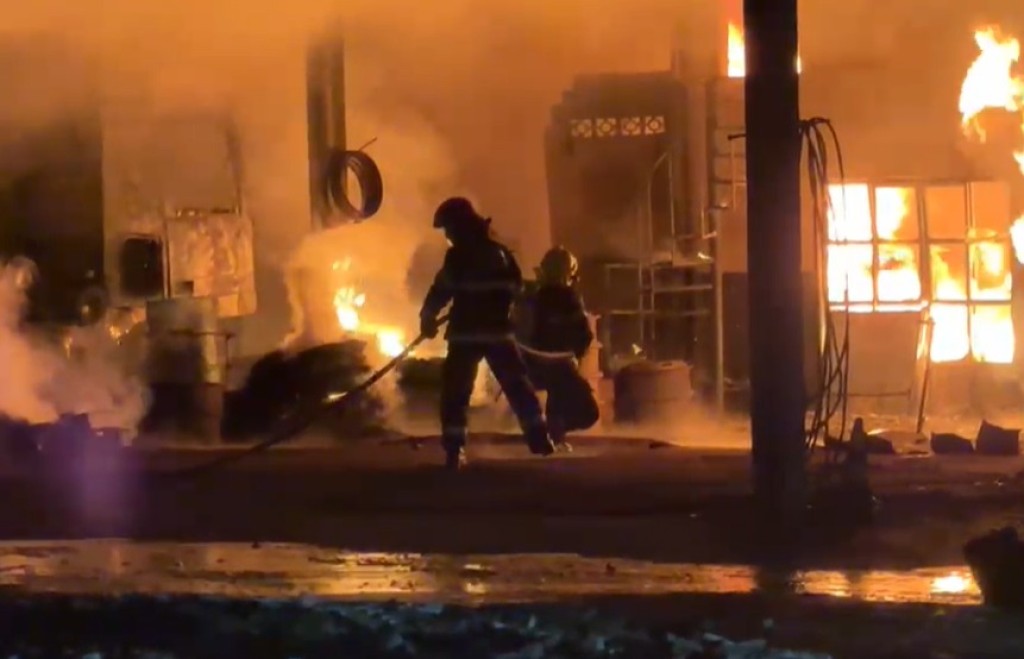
{"type": "Point", "coordinates": [778, 393]}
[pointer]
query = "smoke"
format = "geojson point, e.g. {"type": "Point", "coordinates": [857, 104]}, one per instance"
{"type": "Point", "coordinates": [373, 258]}
{"type": "Point", "coordinates": [41, 382]}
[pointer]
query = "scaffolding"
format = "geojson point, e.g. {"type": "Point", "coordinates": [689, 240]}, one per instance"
{"type": "Point", "coordinates": [620, 184]}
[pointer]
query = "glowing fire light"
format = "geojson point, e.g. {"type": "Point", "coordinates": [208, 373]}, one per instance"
{"type": "Point", "coordinates": [854, 285]}
{"type": "Point", "coordinates": [736, 53]}
{"type": "Point", "coordinates": [991, 84]}
{"type": "Point", "coordinates": [347, 305]}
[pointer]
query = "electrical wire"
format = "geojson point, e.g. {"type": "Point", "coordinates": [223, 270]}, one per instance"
{"type": "Point", "coordinates": [831, 400]}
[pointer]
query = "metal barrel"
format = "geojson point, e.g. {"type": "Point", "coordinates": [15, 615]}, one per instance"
{"type": "Point", "coordinates": [187, 366]}
{"type": "Point", "coordinates": [653, 392]}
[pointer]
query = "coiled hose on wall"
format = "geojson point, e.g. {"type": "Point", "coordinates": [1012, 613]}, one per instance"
{"type": "Point", "coordinates": [367, 175]}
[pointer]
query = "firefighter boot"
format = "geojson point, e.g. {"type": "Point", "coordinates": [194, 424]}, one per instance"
{"type": "Point", "coordinates": [556, 429]}
{"type": "Point", "coordinates": [538, 441]}
{"type": "Point", "coordinates": [455, 459]}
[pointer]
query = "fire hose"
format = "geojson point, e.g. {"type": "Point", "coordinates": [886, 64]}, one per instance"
{"type": "Point", "coordinates": [303, 418]}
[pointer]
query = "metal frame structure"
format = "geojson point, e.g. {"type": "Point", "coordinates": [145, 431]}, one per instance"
{"type": "Point", "coordinates": [660, 294]}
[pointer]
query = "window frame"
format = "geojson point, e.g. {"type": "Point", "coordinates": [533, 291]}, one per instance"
{"type": "Point", "coordinates": [923, 245]}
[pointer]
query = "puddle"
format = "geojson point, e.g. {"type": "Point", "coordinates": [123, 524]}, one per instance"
{"type": "Point", "coordinates": [276, 570]}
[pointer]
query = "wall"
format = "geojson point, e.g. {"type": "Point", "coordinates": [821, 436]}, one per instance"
{"type": "Point", "coordinates": [269, 119]}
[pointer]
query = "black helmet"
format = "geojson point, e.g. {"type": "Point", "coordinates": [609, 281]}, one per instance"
{"type": "Point", "coordinates": [456, 210]}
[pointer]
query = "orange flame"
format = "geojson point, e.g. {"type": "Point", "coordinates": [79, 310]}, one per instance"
{"type": "Point", "coordinates": [348, 303]}
{"type": "Point", "coordinates": [893, 284]}
{"type": "Point", "coordinates": [736, 51]}
{"type": "Point", "coordinates": [990, 84]}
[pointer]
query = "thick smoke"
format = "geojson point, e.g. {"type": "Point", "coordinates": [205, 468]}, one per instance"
{"type": "Point", "coordinates": [84, 372]}
{"type": "Point", "coordinates": [458, 94]}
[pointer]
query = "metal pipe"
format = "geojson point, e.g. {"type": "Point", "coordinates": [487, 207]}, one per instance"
{"type": "Point", "coordinates": [774, 256]}
{"type": "Point", "coordinates": [316, 129]}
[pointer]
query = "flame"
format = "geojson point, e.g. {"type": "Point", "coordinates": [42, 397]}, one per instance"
{"type": "Point", "coordinates": [893, 284]}
{"type": "Point", "coordinates": [348, 303]}
{"type": "Point", "coordinates": [736, 53]}
{"type": "Point", "coordinates": [992, 84]}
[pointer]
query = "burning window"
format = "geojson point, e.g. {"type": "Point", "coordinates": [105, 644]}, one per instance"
{"type": "Point", "coordinates": [945, 248]}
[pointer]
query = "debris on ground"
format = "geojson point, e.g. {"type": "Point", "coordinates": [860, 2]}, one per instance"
{"type": "Point", "coordinates": [947, 443]}
{"type": "Point", "coordinates": [280, 382]}
{"type": "Point", "coordinates": [208, 627]}
{"type": "Point", "coordinates": [997, 561]}
{"type": "Point", "coordinates": [997, 441]}
{"type": "Point", "coordinates": [67, 435]}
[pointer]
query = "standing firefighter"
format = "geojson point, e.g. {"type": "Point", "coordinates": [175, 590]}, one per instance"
{"type": "Point", "coordinates": [481, 279]}
{"type": "Point", "coordinates": [558, 336]}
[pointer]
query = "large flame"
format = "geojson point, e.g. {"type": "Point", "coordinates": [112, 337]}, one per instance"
{"type": "Point", "coordinates": [893, 284]}
{"type": "Point", "coordinates": [348, 304]}
{"type": "Point", "coordinates": [991, 84]}
{"type": "Point", "coordinates": [736, 51]}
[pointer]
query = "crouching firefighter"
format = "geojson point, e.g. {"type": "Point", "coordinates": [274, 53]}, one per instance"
{"type": "Point", "coordinates": [555, 339]}
{"type": "Point", "coordinates": [481, 280]}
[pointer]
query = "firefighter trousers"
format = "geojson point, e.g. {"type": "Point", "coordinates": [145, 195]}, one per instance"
{"type": "Point", "coordinates": [571, 403]}
{"type": "Point", "coordinates": [458, 375]}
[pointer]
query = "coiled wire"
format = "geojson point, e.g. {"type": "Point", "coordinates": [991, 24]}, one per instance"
{"type": "Point", "coordinates": [832, 398]}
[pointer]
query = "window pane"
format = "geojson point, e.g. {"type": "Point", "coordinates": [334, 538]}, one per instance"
{"type": "Point", "coordinates": [849, 273]}
{"type": "Point", "coordinates": [896, 214]}
{"type": "Point", "coordinates": [992, 333]}
{"type": "Point", "coordinates": [899, 273]}
{"type": "Point", "coordinates": [990, 204]}
{"type": "Point", "coordinates": [850, 215]}
{"type": "Point", "coordinates": [990, 271]}
{"type": "Point", "coordinates": [949, 332]}
{"type": "Point", "coordinates": [946, 210]}
{"type": "Point", "coordinates": [949, 272]}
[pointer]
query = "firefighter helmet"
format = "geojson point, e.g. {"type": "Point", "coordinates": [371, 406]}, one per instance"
{"type": "Point", "coordinates": [455, 210]}
{"type": "Point", "coordinates": [558, 267]}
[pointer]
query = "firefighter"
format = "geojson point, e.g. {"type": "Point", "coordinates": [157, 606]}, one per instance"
{"type": "Point", "coordinates": [557, 337]}
{"type": "Point", "coordinates": [481, 280]}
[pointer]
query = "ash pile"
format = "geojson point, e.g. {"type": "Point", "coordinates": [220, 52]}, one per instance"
{"type": "Point", "coordinates": [282, 383]}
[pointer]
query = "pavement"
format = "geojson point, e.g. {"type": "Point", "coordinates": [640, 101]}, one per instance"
{"type": "Point", "coordinates": [620, 497]}
{"type": "Point", "coordinates": [648, 530]}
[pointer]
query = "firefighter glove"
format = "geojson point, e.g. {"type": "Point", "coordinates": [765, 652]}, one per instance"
{"type": "Point", "coordinates": [428, 327]}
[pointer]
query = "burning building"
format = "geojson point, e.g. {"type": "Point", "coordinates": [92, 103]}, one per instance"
{"type": "Point", "coordinates": [168, 187]}
{"type": "Point", "coordinates": [915, 257]}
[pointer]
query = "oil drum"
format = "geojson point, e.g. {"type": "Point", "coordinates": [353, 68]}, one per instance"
{"type": "Point", "coordinates": [186, 367]}
{"type": "Point", "coordinates": [652, 392]}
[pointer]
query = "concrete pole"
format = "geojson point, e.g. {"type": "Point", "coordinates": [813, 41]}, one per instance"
{"type": "Point", "coordinates": [778, 398]}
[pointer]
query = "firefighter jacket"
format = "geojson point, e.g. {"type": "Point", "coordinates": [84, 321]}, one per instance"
{"type": "Point", "coordinates": [481, 280]}
{"type": "Point", "coordinates": [559, 321]}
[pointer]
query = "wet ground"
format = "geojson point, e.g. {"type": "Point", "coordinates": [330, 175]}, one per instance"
{"type": "Point", "coordinates": [278, 571]}
{"type": "Point", "coordinates": [177, 591]}
{"type": "Point", "coordinates": [683, 534]}
{"type": "Point", "coordinates": [634, 499]}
